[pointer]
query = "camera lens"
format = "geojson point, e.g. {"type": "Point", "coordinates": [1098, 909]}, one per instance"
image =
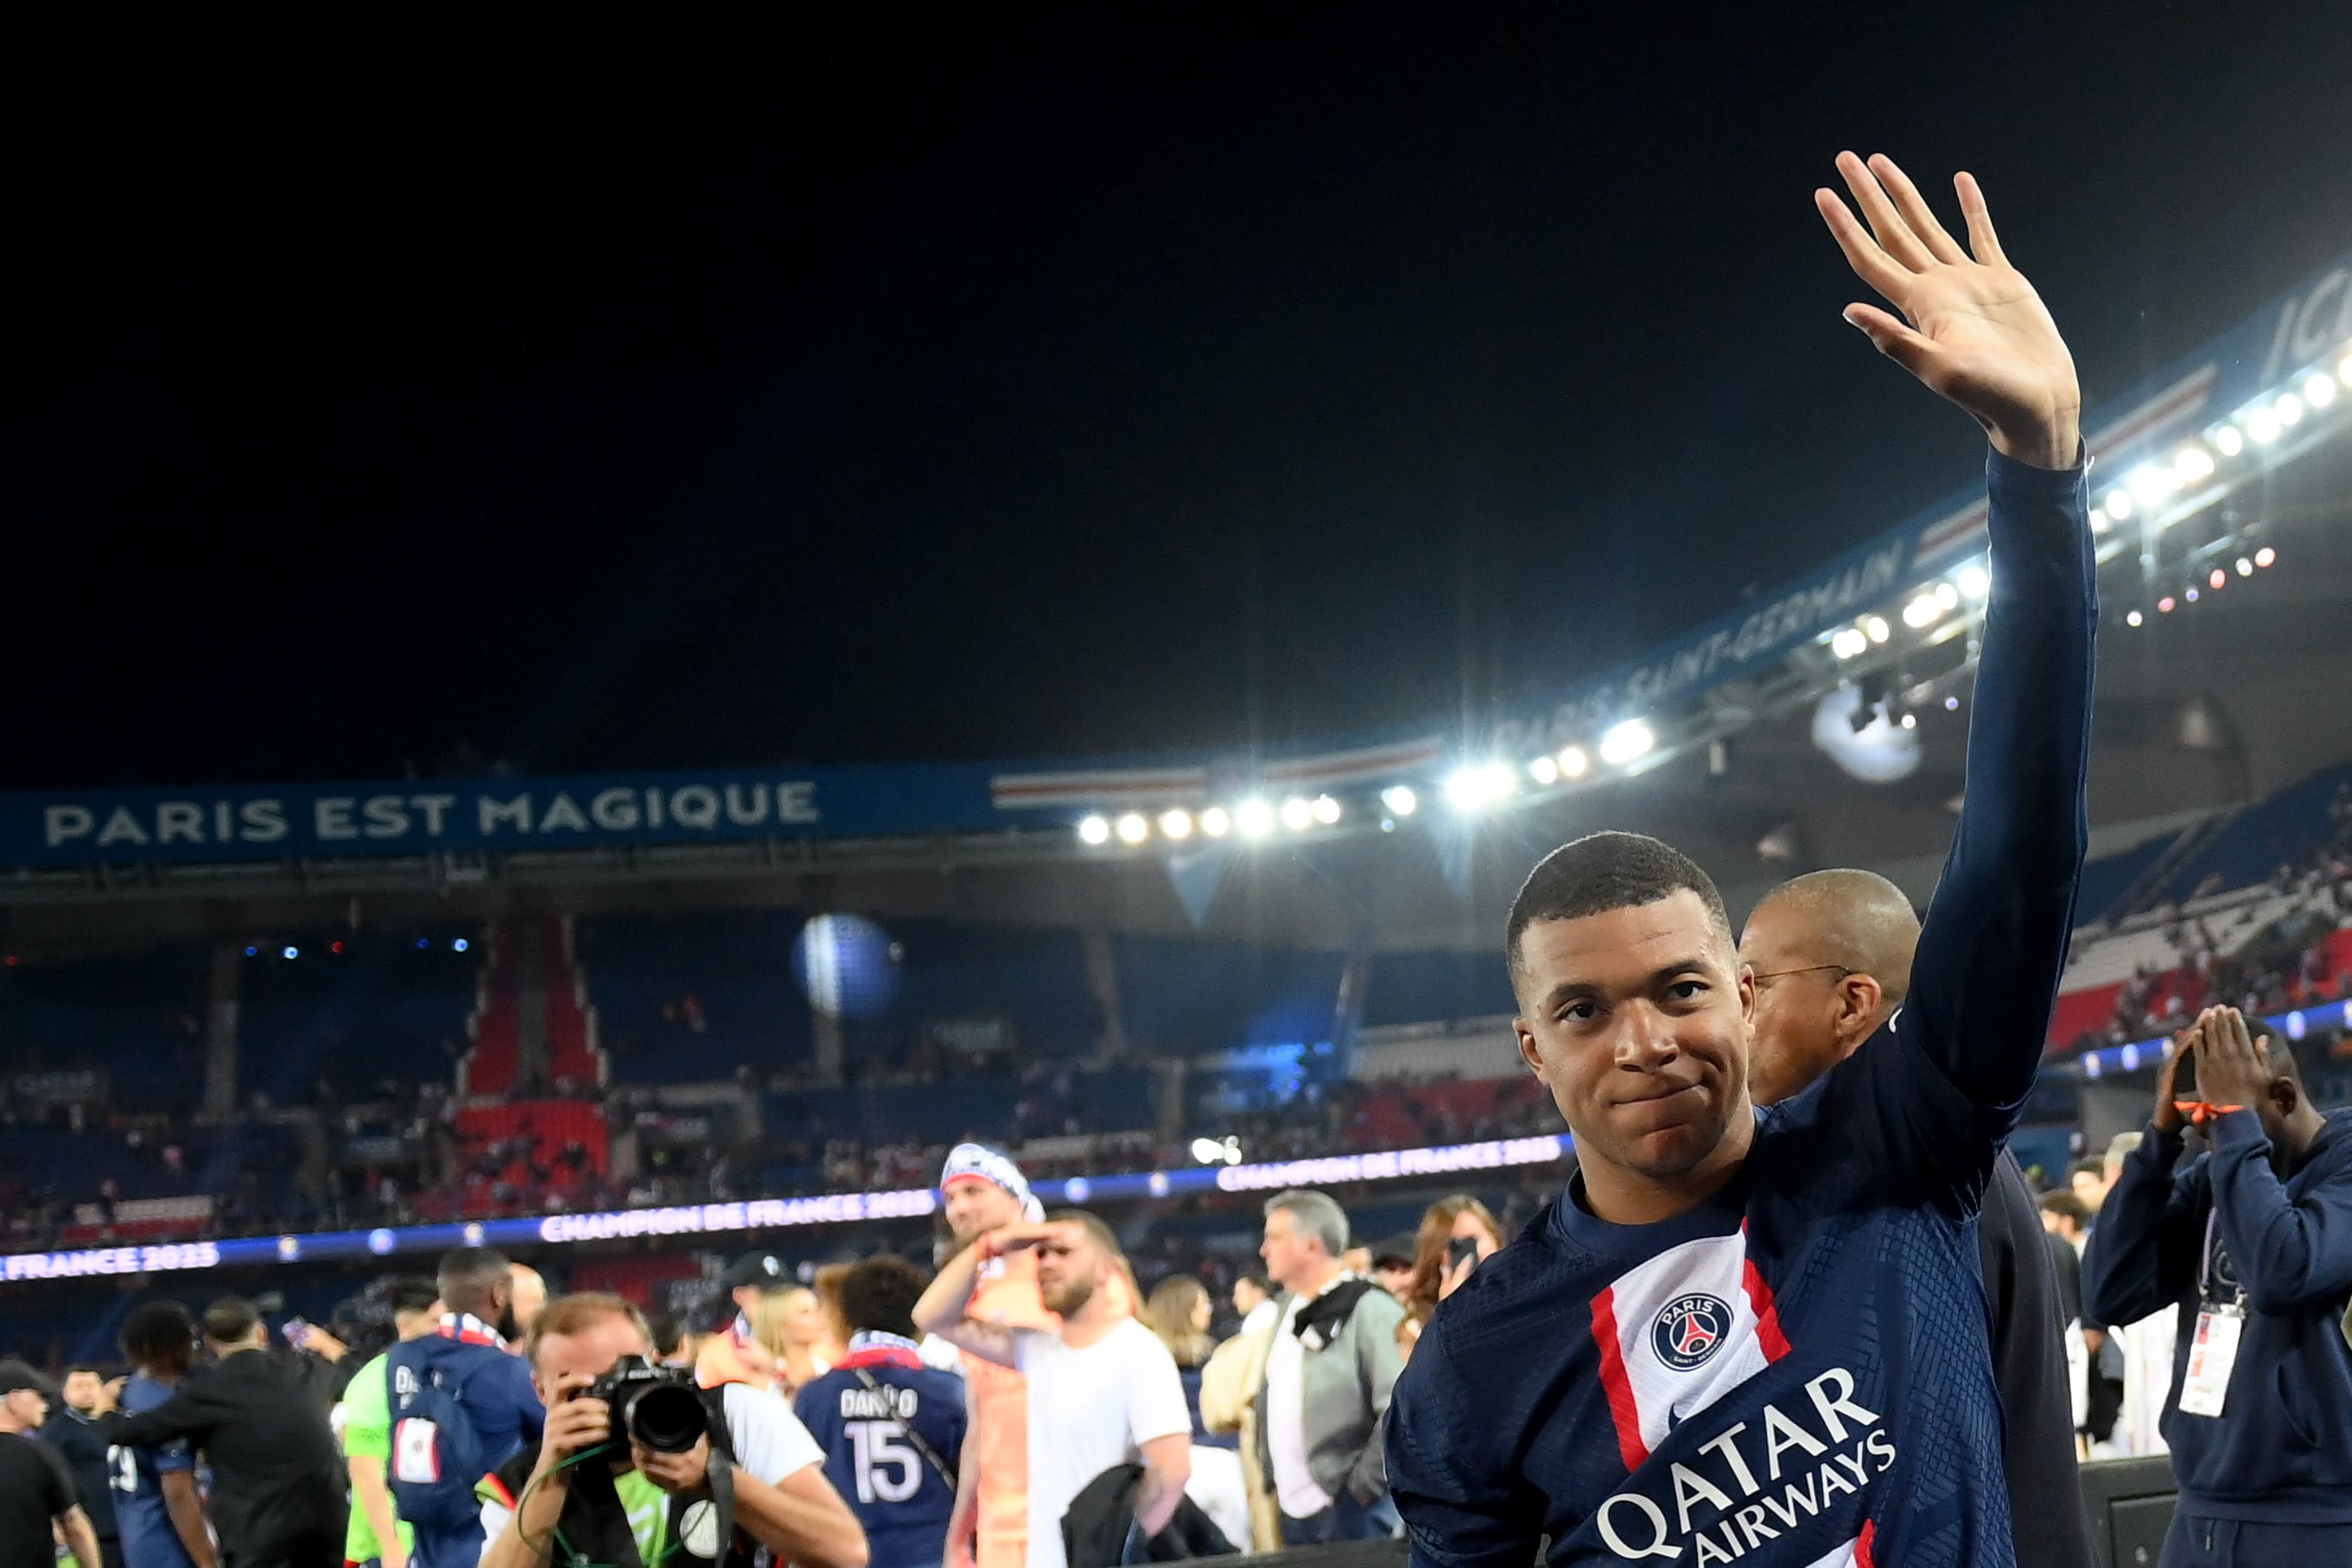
{"type": "Point", "coordinates": [666, 1418]}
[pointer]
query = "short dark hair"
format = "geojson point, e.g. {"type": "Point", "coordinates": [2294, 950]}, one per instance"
{"type": "Point", "coordinates": [1602, 871]}
{"type": "Point", "coordinates": [1102, 1234]}
{"type": "Point", "coordinates": [2068, 1204]}
{"type": "Point", "coordinates": [468, 1275]}
{"type": "Point", "coordinates": [89, 1366]}
{"type": "Point", "coordinates": [230, 1319]}
{"type": "Point", "coordinates": [412, 1293]}
{"type": "Point", "coordinates": [879, 1295]}
{"type": "Point", "coordinates": [2093, 1168]}
{"type": "Point", "coordinates": [1263, 1289]}
{"type": "Point", "coordinates": [159, 1335]}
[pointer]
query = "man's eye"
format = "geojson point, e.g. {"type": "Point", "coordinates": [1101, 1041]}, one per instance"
{"type": "Point", "coordinates": [1687, 990]}
{"type": "Point", "coordinates": [1579, 1012]}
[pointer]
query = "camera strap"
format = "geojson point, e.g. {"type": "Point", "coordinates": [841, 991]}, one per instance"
{"type": "Point", "coordinates": [930, 1455]}
{"type": "Point", "coordinates": [702, 1529]}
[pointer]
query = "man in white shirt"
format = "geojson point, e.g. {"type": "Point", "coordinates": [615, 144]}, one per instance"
{"type": "Point", "coordinates": [1103, 1390]}
{"type": "Point", "coordinates": [1329, 1373]}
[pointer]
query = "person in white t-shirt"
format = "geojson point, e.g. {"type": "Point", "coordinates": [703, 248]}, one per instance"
{"type": "Point", "coordinates": [1103, 1390]}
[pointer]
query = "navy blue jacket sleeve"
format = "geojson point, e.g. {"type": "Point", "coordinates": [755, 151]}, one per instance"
{"type": "Point", "coordinates": [2292, 1253]}
{"type": "Point", "coordinates": [1463, 1503]}
{"type": "Point", "coordinates": [530, 1415]}
{"type": "Point", "coordinates": [1996, 934]}
{"type": "Point", "coordinates": [2143, 1253]}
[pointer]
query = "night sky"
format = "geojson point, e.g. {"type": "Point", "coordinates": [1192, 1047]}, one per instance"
{"type": "Point", "coordinates": [1078, 383]}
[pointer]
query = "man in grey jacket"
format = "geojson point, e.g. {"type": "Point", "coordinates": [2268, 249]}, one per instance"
{"type": "Point", "coordinates": [1328, 1371]}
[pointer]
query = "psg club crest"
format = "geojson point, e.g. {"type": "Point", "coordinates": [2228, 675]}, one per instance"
{"type": "Point", "coordinates": [1689, 1329]}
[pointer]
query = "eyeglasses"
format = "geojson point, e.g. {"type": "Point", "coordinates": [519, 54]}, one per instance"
{"type": "Point", "coordinates": [1808, 969]}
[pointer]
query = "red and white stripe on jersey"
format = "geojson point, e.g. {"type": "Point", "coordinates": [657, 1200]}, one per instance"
{"type": "Point", "coordinates": [1648, 1397]}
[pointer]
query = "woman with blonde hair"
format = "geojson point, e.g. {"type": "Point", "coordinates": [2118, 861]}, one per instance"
{"type": "Point", "coordinates": [1179, 1311]}
{"type": "Point", "coordinates": [790, 1326]}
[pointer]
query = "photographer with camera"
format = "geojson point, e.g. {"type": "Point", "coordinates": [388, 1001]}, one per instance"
{"type": "Point", "coordinates": [638, 1467]}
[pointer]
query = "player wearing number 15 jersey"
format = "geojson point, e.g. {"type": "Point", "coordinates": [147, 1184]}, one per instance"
{"type": "Point", "coordinates": [892, 1428]}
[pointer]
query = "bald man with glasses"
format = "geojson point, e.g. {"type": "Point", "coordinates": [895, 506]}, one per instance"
{"type": "Point", "coordinates": [1831, 956]}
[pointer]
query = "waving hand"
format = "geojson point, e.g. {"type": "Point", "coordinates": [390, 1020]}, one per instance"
{"type": "Point", "coordinates": [1972, 327]}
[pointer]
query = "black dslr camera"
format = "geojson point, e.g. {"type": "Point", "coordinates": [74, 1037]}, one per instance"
{"type": "Point", "coordinates": [658, 1406]}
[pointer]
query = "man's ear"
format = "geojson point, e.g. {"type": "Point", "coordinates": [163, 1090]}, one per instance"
{"type": "Point", "coordinates": [2285, 1093]}
{"type": "Point", "coordinates": [1859, 998]}
{"type": "Point", "coordinates": [1529, 1052]}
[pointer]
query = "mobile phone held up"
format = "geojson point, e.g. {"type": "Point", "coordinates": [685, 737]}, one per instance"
{"type": "Point", "coordinates": [296, 1331]}
{"type": "Point", "coordinates": [1460, 1250]}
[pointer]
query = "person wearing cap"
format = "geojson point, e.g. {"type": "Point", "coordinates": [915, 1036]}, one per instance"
{"type": "Point", "coordinates": [36, 1492]}
{"type": "Point", "coordinates": [733, 1353]}
{"type": "Point", "coordinates": [981, 1190]}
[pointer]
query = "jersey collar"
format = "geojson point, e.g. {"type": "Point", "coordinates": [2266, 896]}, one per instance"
{"type": "Point", "coordinates": [467, 1329]}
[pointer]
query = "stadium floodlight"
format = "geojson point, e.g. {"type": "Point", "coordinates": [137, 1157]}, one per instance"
{"type": "Point", "coordinates": [2150, 484]}
{"type": "Point", "coordinates": [2318, 390]}
{"type": "Point", "coordinates": [1176, 823]}
{"type": "Point", "coordinates": [1973, 581]}
{"type": "Point", "coordinates": [1947, 596]}
{"type": "Point", "coordinates": [1544, 770]}
{"type": "Point", "coordinates": [1133, 829]}
{"type": "Point", "coordinates": [1876, 628]}
{"type": "Point", "coordinates": [2118, 504]}
{"type": "Point", "coordinates": [2288, 410]}
{"type": "Point", "coordinates": [2218, 577]}
{"type": "Point", "coordinates": [2189, 593]}
{"type": "Point", "coordinates": [1922, 611]}
{"type": "Point", "coordinates": [2264, 556]}
{"type": "Point", "coordinates": [1400, 799]}
{"type": "Point", "coordinates": [291, 953]}
{"type": "Point", "coordinates": [2164, 605]}
{"type": "Point", "coordinates": [2262, 427]}
{"type": "Point", "coordinates": [1468, 788]}
{"type": "Point", "coordinates": [1208, 1150]}
{"type": "Point", "coordinates": [1626, 742]}
{"type": "Point", "coordinates": [1296, 814]}
{"type": "Point", "coordinates": [1215, 823]}
{"type": "Point", "coordinates": [1952, 703]}
{"type": "Point", "coordinates": [2133, 618]}
{"type": "Point", "coordinates": [1095, 829]}
{"type": "Point", "coordinates": [1574, 763]}
{"type": "Point", "coordinates": [2228, 442]}
{"type": "Point", "coordinates": [1848, 642]}
{"type": "Point", "coordinates": [2192, 463]}
{"type": "Point", "coordinates": [1910, 721]}
{"type": "Point", "coordinates": [2245, 567]}
{"type": "Point", "coordinates": [1254, 818]}
{"type": "Point", "coordinates": [459, 945]}
{"type": "Point", "coordinates": [1325, 810]}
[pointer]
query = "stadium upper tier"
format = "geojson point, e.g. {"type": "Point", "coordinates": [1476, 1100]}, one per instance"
{"type": "Point", "coordinates": [2186, 465]}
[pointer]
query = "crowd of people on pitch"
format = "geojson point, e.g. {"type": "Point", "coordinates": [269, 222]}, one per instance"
{"type": "Point", "coordinates": [1032, 1402]}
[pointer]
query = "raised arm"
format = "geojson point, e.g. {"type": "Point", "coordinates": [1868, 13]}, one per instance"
{"type": "Point", "coordinates": [944, 1309]}
{"type": "Point", "coordinates": [1996, 933]}
{"type": "Point", "coordinates": [2292, 1254]}
{"type": "Point", "coordinates": [2142, 1257]}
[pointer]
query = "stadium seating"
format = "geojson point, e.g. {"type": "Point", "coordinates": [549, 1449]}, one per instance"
{"type": "Point", "coordinates": [2291, 828]}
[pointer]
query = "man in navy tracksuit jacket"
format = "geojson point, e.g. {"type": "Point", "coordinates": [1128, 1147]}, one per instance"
{"type": "Point", "coordinates": [494, 1389]}
{"type": "Point", "coordinates": [2258, 1230]}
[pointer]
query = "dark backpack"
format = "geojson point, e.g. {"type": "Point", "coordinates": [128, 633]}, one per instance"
{"type": "Point", "coordinates": [436, 1454]}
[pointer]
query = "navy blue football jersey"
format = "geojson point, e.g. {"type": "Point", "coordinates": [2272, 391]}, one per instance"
{"type": "Point", "coordinates": [149, 1540]}
{"type": "Point", "coordinates": [871, 1453]}
{"type": "Point", "coordinates": [1797, 1373]}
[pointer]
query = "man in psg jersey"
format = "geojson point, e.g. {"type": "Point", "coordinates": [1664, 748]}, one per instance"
{"type": "Point", "coordinates": [1759, 1337]}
